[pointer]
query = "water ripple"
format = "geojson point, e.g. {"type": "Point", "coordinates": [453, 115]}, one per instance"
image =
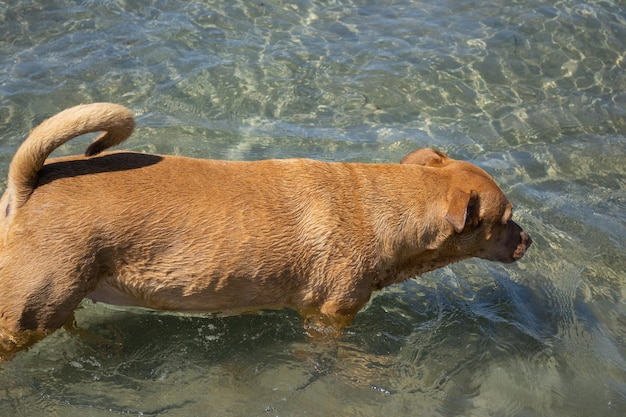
{"type": "Point", "coordinates": [532, 92]}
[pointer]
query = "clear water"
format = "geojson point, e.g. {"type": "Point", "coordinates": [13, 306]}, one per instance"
{"type": "Point", "coordinates": [534, 92]}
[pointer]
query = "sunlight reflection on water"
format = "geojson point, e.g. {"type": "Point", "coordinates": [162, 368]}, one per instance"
{"type": "Point", "coordinates": [533, 92]}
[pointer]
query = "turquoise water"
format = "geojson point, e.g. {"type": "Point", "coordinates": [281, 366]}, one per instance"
{"type": "Point", "coordinates": [534, 92]}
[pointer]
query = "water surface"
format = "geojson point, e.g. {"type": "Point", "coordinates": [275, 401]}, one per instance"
{"type": "Point", "coordinates": [534, 92]}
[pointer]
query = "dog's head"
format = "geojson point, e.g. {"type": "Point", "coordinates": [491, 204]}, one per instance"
{"type": "Point", "coordinates": [478, 213]}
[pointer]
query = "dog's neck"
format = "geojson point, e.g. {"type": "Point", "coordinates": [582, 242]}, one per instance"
{"type": "Point", "coordinates": [410, 244]}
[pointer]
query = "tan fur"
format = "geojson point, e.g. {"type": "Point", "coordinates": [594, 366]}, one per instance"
{"type": "Point", "coordinates": [173, 233]}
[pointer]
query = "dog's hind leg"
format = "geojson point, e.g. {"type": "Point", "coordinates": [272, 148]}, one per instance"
{"type": "Point", "coordinates": [35, 301]}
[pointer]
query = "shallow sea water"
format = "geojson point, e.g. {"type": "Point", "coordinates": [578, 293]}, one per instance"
{"type": "Point", "coordinates": [534, 92]}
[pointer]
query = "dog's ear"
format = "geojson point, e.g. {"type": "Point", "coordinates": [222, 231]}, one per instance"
{"type": "Point", "coordinates": [426, 157]}
{"type": "Point", "coordinates": [462, 209]}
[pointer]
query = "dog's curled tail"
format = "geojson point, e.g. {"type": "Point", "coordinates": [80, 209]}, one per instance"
{"type": "Point", "coordinates": [117, 122]}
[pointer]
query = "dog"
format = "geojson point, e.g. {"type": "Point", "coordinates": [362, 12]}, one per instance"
{"type": "Point", "coordinates": [183, 234]}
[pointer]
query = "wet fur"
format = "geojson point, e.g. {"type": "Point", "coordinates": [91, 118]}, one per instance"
{"type": "Point", "coordinates": [174, 233]}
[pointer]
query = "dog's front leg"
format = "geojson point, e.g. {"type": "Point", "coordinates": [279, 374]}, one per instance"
{"type": "Point", "coordinates": [336, 312]}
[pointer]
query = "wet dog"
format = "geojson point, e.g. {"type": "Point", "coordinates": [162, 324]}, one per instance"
{"type": "Point", "coordinates": [173, 233]}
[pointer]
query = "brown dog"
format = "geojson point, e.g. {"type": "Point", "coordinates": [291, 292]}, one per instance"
{"type": "Point", "coordinates": [173, 233]}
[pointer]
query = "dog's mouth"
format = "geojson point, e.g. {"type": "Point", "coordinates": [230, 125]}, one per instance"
{"type": "Point", "coordinates": [510, 250]}
{"type": "Point", "coordinates": [523, 246]}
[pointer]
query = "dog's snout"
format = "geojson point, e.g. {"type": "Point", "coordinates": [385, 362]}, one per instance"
{"type": "Point", "coordinates": [525, 242]}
